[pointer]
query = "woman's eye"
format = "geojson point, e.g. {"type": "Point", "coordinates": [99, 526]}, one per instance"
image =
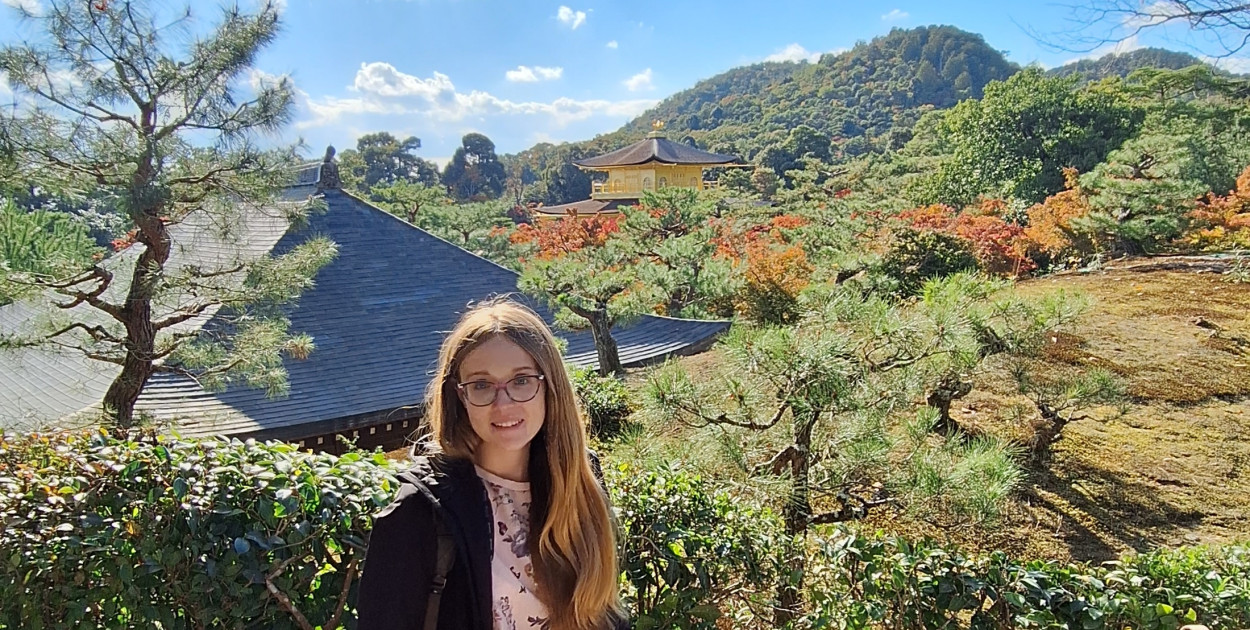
{"type": "Point", "coordinates": [522, 380]}
{"type": "Point", "coordinates": [480, 385]}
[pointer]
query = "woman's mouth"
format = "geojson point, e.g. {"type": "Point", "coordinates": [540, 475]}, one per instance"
{"type": "Point", "coordinates": [508, 425]}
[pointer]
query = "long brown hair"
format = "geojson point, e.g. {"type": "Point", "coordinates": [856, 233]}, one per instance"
{"type": "Point", "coordinates": [574, 554]}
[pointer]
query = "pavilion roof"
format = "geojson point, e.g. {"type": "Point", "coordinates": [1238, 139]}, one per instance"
{"type": "Point", "coordinates": [657, 148]}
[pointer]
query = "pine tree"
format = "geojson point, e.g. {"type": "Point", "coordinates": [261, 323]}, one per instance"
{"type": "Point", "coordinates": [112, 103]}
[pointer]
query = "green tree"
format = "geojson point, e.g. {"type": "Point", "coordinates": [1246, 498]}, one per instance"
{"type": "Point", "coordinates": [388, 160]}
{"type": "Point", "coordinates": [467, 223]}
{"type": "Point", "coordinates": [475, 172]}
{"type": "Point", "coordinates": [1017, 139]}
{"type": "Point", "coordinates": [1143, 191]}
{"type": "Point", "coordinates": [836, 391]}
{"type": "Point", "coordinates": [406, 198]}
{"type": "Point", "coordinates": [114, 103]}
{"type": "Point", "coordinates": [670, 232]}
{"type": "Point", "coordinates": [595, 288]}
{"type": "Point", "coordinates": [40, 243]}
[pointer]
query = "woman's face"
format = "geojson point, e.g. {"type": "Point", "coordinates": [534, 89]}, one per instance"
{"type": "Point", "coordinates": [505, 426]}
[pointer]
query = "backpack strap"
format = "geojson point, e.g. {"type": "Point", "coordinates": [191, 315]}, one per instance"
{"type": "Point", "coordinates": [446, 557]}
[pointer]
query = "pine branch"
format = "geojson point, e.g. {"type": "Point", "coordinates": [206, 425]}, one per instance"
{"type": "Point", "coordinates": [96, 332]}
{"type": "Point", "coordinates": [183, 314]}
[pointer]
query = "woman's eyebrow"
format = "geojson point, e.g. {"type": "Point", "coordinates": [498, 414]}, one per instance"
{"type": "Point", "coordinates": [514, 371]}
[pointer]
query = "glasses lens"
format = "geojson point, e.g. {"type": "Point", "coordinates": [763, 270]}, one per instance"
{"type": "Point", "coordinates": [480, 393]}
{"type": "Point", "coordinates": [523, 388]}
{"type": "Point", "coordinates": [520, 389]}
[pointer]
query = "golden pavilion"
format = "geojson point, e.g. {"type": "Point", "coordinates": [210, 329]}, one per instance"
{"type": "Point", "coordinates": [652, 163]}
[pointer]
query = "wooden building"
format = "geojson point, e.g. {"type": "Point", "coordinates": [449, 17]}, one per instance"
{"type": "Point", "coordinates": [653, 163]}
{"type": "Point", "coordinates": [377, 314]}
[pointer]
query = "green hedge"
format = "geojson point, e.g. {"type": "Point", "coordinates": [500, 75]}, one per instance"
{"type": "Point", "coordinates": [604, 399]}
{"type": "Point", "coordinates": [101, 532]}
{"type": "Point", "coordinates": [872, 582]}
{"type": "Point", "coordinates": [692, 556]}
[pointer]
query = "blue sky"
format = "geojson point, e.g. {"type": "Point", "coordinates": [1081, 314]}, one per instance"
{"type": "Point", "coordinates": [529, 71]}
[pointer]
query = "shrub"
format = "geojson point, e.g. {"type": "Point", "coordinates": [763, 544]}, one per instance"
{"type": "Point", "coordinates": [605, 400]}
{"type": "Point", "coordinates": [868, 582]}
{"type": "Point", "coordinates": [775, 275]}
{"type": "Point", "coordinates": [1220, 223]}
{"type": "Point", "coordinates": [566, 235]}
{"type": "Point", "coordinates": [1050, 228]}
{"type": "Point", "coordinates": [919, 255]}
{"type": "Point", "coordinates": [102, 532]}
{"type": "Point", "coordinates": [689, 551]}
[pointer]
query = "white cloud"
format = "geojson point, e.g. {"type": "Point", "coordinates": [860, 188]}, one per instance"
{"type": "Point", "coordinates": [794, 52]}
{"type": "Point", "coordinates": [895, 15]}
{"type": "Point", "coordinates": [526, 74]}
{"type": "Point", "coordinates": [613, 45]}
{"type": "Point", "coordinates": [384, 90]}
{"type": "Point", "coordinates": [640, 81]}
{"type": "Point", "coordinates": [1112, 48]}
{"type": "Point", "coordinates": [33, 7]}
{"type": "Point", "coordinates": [570, 17]}
{"type": "Point", "coordinates": [1236, 65]}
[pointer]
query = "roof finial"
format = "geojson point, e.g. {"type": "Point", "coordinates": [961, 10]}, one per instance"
{"type": "Point", "coordinates": [657, 129]}
{"type": "Point", "coordinates": [328, 178]}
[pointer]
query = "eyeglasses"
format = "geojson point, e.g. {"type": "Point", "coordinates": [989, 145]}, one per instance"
{"type": "Point", "coordinates": [520, 389]}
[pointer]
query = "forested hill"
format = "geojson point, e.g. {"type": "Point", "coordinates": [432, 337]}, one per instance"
{"type": "Point", "coordinates": [1121, 65]}
{"type": "Point", "coordinates": [864, 91]}
{"type": "Point", "coordinates": [844, 105]}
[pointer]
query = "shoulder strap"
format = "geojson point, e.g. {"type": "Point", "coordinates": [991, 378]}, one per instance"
{"type": "Point", "coordinates": [446, 557]}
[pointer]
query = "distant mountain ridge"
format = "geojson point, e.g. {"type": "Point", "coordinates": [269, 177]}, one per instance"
{"type": "Point", "coordinates": [1123, 64]}
{"type": "Point", "coordinates": [867, 98]}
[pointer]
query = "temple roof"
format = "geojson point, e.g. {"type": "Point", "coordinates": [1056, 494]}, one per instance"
{"type": "Point", "coordinates": [656, 148]}
{"type": "Point", "coordinates": [584, 207]}
{"type": "Point", "coordinates": [377, 313]}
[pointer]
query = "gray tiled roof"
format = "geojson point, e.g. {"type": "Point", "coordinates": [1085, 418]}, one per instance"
{"type": "Point", "coordinates": [377, 315]}
{"type": "Point", "coordinates": [586, 206]}
{"type": "Point", "coordinates": [656, 149]}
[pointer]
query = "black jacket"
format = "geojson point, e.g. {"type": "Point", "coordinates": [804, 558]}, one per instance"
{"type": "Point", "coordinates": [399, 564]}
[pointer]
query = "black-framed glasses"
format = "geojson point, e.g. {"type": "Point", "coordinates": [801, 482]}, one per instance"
{"type": "Point", "coordinates": [520, 389]}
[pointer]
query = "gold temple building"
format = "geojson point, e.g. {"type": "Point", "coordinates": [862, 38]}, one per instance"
{"type": "Point", "coordinates": [652, 163]}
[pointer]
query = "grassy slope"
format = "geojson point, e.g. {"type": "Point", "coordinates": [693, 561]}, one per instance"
{"type": "Point", "coordinates": [1170, 466]}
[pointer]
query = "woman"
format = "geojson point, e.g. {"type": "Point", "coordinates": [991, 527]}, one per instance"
{"type": "Point", "coordinates": [511, 489]}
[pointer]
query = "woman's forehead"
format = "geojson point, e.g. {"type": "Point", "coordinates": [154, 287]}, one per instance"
{"type": "Point", "coordinates": [497, 356]}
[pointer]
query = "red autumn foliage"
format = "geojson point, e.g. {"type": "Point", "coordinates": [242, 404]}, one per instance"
{"type": "Point", "coordinates": [732, 241]}
{"type": "Point", "coordinates": [1050, 222]}
{"type": "Point", "coordinates": [566, 235]}
{"type": "Point", "coordinates": [125, 241]}
{"type": "Point", "coordinates": [1223, 222]}
{"type": "Point", "coordinates": [775, 275]}
{"type": "Point", "coordinates": [937, 217]}
{"type": "Point", "coordinates": [1000, 246]}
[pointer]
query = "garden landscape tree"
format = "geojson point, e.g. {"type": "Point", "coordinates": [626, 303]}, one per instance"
{"type": "Point", "coordinates": [110, 100]}
{"type": "Point", "coordinates": [838, 389]}
{"type": "Point", "coordinates": [475, 172]}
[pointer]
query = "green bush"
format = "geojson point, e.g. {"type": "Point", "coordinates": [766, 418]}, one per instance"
{"type": "Point", "coordinates": [101, 532]}
{"type": "Point", "coordinates": [142, 532]}
{"type": "Point", "coordinates": [860, 582]}
{"type": "Point", "coordinates": [605, 399]}
{"type": "Point", "coordinates": [688, 551]}
{"type": "Point", "coordinates": [916, 256]}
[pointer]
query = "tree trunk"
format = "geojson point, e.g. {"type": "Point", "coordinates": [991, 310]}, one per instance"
{"type": "Point", "coordinates": [119, 400]}
{"type": "Point", "coordinates": [605, 345]}
{"type": "Point", "coordinates": [797, 515]}
{"type": "Point", "coordinates": [948, 390]}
